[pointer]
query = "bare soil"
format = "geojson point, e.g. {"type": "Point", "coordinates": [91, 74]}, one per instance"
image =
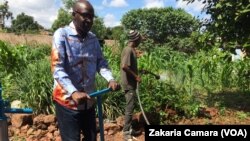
{"type": "Point", "coordinates": [211, 116]}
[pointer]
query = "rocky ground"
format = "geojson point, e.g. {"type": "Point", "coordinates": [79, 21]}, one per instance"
{"type": "Point", "coordinates": [23, 127]}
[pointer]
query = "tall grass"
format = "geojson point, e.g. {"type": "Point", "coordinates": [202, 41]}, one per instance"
{"type": "Point", "coordinates": [26, 39]}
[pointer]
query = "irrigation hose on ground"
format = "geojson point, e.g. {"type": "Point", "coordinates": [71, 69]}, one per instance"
{"type": "Point", "coordinates": [139, 100]}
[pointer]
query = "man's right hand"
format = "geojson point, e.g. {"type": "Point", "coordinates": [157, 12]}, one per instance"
{"type": "Point", "coordinates": [138, 78]}
{"type": "Point", "coordinates": [80, 97]}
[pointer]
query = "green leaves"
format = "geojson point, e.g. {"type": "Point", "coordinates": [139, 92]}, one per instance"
{"type": "Point", "coordinates": [99, 28]}
{"type": "Point", "coordinates": [4, 12]}
{"type": "Point", "coordinates": [229, 20]}
{"type": "Point", "coordinates": [189, 79]}
{"type": "Point", "coordinates": [25, 24]}
{"type": "Point", "coordinates": [25, 75]}
{"type": "Point", "coordinates": [63, 18]}
{"type": "Point", "coordinates": [160, 24]}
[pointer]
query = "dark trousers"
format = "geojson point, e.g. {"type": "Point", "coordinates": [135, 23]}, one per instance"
{"type": "Point", "coordinates": [71, 123]}
{"type": "Point", "coordinates": [130, 97]}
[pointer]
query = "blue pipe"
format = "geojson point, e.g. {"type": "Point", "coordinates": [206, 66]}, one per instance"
{"type": "Point", "coordinates": [99, 103]}
{"type": "Point", "coordinates": [99, 106]}
{"type": "Point", "coordinates": [100, 92]}
{"type": "Point", "coordinates": [4, 108]}
{"type": "Point", "coordinates": [15, 110]}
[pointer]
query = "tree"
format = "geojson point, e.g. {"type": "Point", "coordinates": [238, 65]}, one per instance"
{"type": "Point", "coordinates": [63, 18]}
{"type": "Point", "coordinates": [160, 24]}
{"type": "Point", "coordinates": [230, 20]}
{"type": "Point", "coordinates": [4, 13]}
{"type": "Point", "coordinates": [25, 23]}
{"type": "Point", "coordinates": [99, 28]}
{"type": "Point", "coordinates": [117, 32]}
{"type": "Point", "coordinates": [68, 3]}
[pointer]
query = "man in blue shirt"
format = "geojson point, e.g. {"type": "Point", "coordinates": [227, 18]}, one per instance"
{"type": "Point", "coordinates": [75, 58]}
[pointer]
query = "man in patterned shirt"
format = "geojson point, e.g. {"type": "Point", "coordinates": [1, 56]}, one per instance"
{"type": "Point", "coordinates": [76, 57]}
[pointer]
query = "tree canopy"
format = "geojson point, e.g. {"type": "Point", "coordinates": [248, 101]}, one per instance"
{"type": "Point", "coordinates": [25, 23]}
{"type": "Point", "coordinates": [99, 28]}
{"type": "Point", "coordinates": [4, 13]}
{"type": "Point", "coordinates": [230, 20]}
{"type": "Point", "coordinates": [68, 3]}
{"type": "Point", "coordinates": [63, 18]}
{"type": "Point", "coordinates": [160, 23]}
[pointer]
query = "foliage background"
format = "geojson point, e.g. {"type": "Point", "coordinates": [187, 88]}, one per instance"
{"type": "Point", "coordinates": [187, 81]}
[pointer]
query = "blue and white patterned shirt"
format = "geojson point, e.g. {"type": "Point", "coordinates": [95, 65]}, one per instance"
{"type": "Point", "coordinates": [74, 63]}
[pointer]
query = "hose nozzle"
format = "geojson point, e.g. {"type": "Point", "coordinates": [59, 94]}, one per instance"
{"type": "Point", "coordinates": [149, 72]}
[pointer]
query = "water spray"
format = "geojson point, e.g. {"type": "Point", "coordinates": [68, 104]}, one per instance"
{"type": "Point", "coordinates": [158, 77]}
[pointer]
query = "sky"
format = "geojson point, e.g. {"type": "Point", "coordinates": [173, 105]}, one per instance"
{"type": "Point", "coordinates": [45, 11]}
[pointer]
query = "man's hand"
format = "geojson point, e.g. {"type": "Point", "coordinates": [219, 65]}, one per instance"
{"type": "Point", "coordinates": [114, 85]}
{"type": "Point", "coordinates": [138, 78]}
{"type": "Point", "coordinates": [80, 97]}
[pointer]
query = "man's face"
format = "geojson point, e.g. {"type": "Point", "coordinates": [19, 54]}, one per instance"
{"type": "Point", "coordinates": [137, 42]}
{"type": "Point", "coordinates": [83, 19]}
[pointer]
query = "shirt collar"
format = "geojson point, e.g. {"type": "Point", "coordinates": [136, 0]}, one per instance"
{"type": "Point", "coordinates": [73, 29]}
